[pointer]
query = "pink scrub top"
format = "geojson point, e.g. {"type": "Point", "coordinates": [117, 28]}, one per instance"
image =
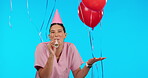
{"type": "Point", "coordinates": [69, 60]}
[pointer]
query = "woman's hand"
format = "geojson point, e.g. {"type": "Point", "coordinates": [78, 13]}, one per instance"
{"type": "Point", "coordinates": [60, 44]}
{"type": "Point", "coordinates": [51, 47]}
{"type": "Point", "coordinates": [93, 60]}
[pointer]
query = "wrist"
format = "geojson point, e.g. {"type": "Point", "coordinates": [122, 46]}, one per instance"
{"type": "Point", "coordinates": [88, 65]}
{"type": "Point", "coordinates": [51, 55]}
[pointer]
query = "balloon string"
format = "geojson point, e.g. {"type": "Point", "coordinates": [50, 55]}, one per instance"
{"type": "Point", "coordinates": [50, 19]}
{"type": "Point", "coordinates": [101, 51]}
{"type": "Point", "coordinates": [44, 16]}
{"type": "Point", "coordinates": [30, 19]}
{"type": "Point", "coordinates": [28, 13]}
{"type": "Point", "coordinates": [92, 48]}
{"type": "Point", "coordinates": [40, 36]}
{"type": "Point", "coordinates": [10, 21]}
{"type": "Point", "coordinates": [97, 69]}
{"type": "Point", "coordinates": [43, 21]}
{"type": "Point", "coordinates": [91, 41]}
{"type": "Point", "coordinates": [46, 4]}
{"type": "Point", "coordinates": [10, 14]}
{"type": "Point", "coordinates": [11, 5]}
{"type": "Point", "coordinates": [92, 73]}
{"type": "Point", "coordinates": [102, 66]}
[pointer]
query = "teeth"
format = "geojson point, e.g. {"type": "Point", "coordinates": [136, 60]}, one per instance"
{"type": "Point", "coordinates": [56, 44]}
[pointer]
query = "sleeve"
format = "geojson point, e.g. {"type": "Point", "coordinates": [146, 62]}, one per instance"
{"type": "Point", "coordinates": [40, 56]}
{"type": "Point", "coordinates": [76, 59]}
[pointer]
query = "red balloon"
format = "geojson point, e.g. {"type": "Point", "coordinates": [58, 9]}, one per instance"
{"type": "Point", "coordinates": [89, 17]}
{"type": "Point", "coordinates": [94, 4]}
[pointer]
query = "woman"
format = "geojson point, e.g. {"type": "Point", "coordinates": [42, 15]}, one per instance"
{"type": "Point", "coordinates": [56, 61]}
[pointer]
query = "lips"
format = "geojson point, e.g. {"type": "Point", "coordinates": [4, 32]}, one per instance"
{"type": "Point", "coordinates": [57, 39]}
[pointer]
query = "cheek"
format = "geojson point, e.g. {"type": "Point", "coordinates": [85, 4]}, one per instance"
{"type": "Point", "coordinates": [63, 36]}
{"type": "Point", "coordinates": [51, 36]}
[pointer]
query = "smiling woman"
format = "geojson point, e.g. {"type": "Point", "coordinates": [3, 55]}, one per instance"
{"type": "Point", "coordinates": [57, 61]}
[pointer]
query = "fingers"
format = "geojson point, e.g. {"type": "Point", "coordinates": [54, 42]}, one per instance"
{"type": "Point", "coordinates": [59, 41]}
{"type": "Point", "coordinates": [99, 59]}
{"type": "Point", "coordinates": [93, 60]}
{"type": "Point", "coordinates": [52, 43]}
{"type": "Point", "coordinates": [51, 47]}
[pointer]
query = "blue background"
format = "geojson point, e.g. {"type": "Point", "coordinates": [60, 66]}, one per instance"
{"type": "Point", "coordinates": [123, 38]}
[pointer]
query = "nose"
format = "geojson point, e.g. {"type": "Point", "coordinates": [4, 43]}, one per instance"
{"type": "Point", "coordinates": [56, 34]}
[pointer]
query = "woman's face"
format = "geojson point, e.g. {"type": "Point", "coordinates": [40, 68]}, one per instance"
{"type": "Point", "coordinates": [57, 33]}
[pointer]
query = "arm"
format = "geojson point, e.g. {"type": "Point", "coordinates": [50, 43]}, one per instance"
{"type": "Point", "coordinates": [81, 73]}
{"type": "Point", "coordinates": [47, 70]}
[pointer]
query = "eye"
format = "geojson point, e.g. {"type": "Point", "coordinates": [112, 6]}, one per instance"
{"type": "Point", "coordinates": [52, 32]}
{"type": "Point", "coordinates": [60, 31]}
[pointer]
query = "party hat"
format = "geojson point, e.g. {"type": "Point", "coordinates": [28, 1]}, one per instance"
{"type": "Point", "coordinates": [56, 18]}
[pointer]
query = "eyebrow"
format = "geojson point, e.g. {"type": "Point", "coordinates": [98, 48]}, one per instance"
{"type": "Point", "coordinates": [58, 30]}
{"type": "Point", "coordinates": [52, 30]}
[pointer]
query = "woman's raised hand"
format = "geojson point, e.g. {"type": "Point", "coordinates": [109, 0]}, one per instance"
{"type": "Point", "coordinates": [51, 47]}
{"type": "Point", "coordinates": [93, 60]}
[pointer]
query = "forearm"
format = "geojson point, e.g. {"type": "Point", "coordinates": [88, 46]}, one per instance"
{"type": "Point", "coordinates": [47, 70]}
{"type": "Point", "coordinates": [83, 72]}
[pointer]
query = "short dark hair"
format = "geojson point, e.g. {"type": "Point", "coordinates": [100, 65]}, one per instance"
{"type": "Point", "coordinates": [58, 24]}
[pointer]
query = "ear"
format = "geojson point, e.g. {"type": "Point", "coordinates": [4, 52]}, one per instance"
{"type": "Point", "coordinates": [49, 36]}
{"type": "Point", "coordinates": [65, 35]}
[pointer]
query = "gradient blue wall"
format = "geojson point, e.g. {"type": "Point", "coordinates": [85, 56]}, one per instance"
{"type": "Point", "coordinates": [124, 36]}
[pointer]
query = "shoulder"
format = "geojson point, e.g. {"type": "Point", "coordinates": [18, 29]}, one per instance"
{"type": "Point", "coordinates": [41, 48]}
{"type": "Point", "coordinates": [70, 47]}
